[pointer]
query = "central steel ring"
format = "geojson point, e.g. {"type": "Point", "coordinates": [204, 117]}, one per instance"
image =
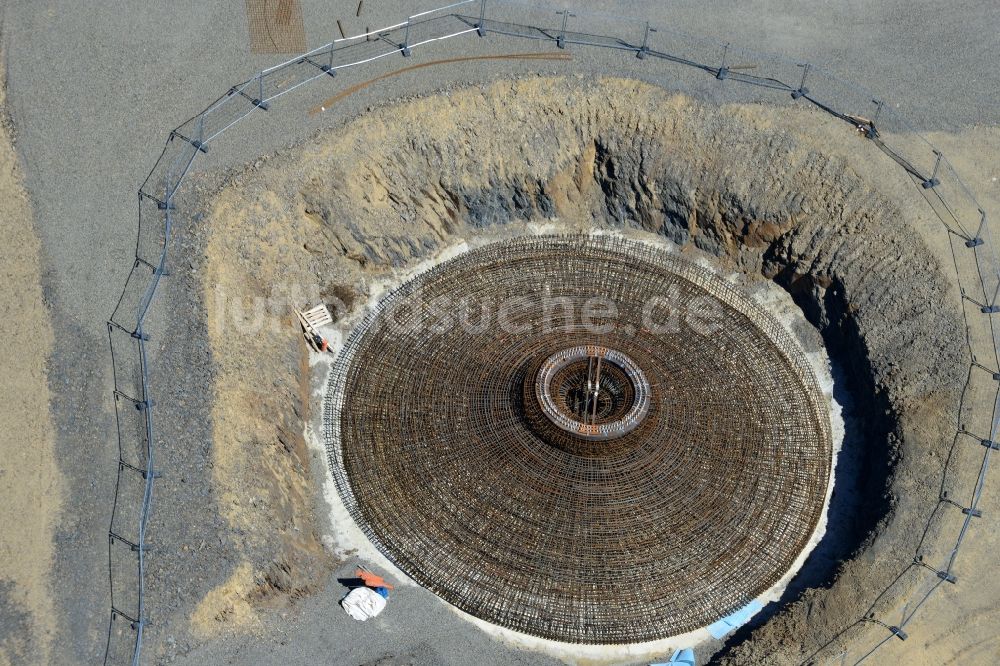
{"type": "Point", "coordinates": [593, 392]}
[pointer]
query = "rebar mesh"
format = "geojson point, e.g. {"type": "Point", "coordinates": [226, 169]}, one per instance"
{"type": "Point", "coordinates": [662, 530]}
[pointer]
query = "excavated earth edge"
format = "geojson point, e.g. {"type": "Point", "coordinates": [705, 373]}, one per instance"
{"type": "Point", "coordinates": [787, 195]}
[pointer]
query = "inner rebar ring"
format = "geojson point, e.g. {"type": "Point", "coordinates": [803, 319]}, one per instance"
{"type": "Point", "coordinates": [593, 392]}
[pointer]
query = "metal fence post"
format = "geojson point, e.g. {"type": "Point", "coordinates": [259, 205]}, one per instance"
{"type": "Point", "coordinates": [978, 239]}
{"type": "Point", "coordinates": [481, 28]}
{"type": "Point", "coordinates": [872, 131]}
{"type": "Point", "coordinates": [644, 49]}
{"type": "Point", "coordinates": [992, 307]}
{"type": "Point", "coordinates": [933, 180]}
{"type": "Point", "coordinates": [406, 39]}
{"type": "Point", "coordinates": [259, 101]}
{"type": "Point", "coordinates": [168, 192]}
{"type": "Point", "coordinates": [723, 72]}
{"type": "Point", "coordinates": [561, 39]}
{"type": "Point", "coordinates": [801, 91]}
{"type": "Point", "coordinates": [328, 67]}
{"type": "Point", "coordinates": [899, 633]}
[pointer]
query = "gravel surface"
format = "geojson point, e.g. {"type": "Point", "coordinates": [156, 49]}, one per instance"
{"type": "Point", "coordinates": [93, 89]}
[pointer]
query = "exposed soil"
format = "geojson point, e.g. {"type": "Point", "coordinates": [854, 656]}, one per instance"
{"type": "Point", "coordinates": [30, 492]}
{"type": "Point", "coordinates": [259, 458]}
{"type": "Point", "coordinates": [791, 196]}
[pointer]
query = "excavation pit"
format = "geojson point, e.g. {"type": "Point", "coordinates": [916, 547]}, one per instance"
{"type": "Point", "coordinates": [788, 200]}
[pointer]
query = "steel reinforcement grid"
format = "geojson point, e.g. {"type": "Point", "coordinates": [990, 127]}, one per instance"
{"type": "Point", "coordinates": [963, 218]}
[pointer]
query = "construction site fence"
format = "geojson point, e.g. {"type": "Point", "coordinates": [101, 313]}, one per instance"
{"type": "Point", "coordinates": [748, 73]}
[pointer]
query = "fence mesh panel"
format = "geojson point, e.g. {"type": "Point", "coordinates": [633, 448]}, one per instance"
{"type": "Point", "coordinates": [604, 30]}
{"type": "Point", "coordinates": [123, 560]}
{"type": "Point", "coordinates": [524, 20]}
{"type": "Point", "coordinates": [700, 55]}
{"type": "Point", "coordinates": [131, 424]}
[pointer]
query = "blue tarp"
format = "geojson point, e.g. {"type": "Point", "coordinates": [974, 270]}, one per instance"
{"type": "Point", "coordinates": [683, 657]}
{"type": "Point", "coordinates": [732, 622]}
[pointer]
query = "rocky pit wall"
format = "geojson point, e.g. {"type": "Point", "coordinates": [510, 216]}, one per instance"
{"type": "Point", "coordinates": [786, 195]}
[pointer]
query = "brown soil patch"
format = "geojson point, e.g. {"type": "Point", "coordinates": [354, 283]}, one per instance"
{"type": "Point", "coordinates": [259, 454]}
{"type": "Point", "coordinates": [30, 483]}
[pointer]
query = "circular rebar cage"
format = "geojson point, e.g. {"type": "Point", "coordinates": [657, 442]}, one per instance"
{"type": "Point", "coordinates": [446, 455]}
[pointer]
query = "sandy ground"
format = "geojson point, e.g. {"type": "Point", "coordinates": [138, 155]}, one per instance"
{"type": "Point", "coordinates": [957, 625]}
{"type": "Point", "coordinates": [30, 484]}
{"type": "Point", "coordinates": [260, 463]}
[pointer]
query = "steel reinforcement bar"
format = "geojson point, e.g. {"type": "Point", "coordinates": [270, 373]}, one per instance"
{"type": "Point", "coordinates": [765, 73]}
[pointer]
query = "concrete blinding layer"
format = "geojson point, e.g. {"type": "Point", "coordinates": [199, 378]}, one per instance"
{"type": "Point", "coordinates": [438, 453]}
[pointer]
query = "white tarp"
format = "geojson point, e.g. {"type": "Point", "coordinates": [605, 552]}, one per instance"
{"type": "Point", "coordinates": [363, 603]}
